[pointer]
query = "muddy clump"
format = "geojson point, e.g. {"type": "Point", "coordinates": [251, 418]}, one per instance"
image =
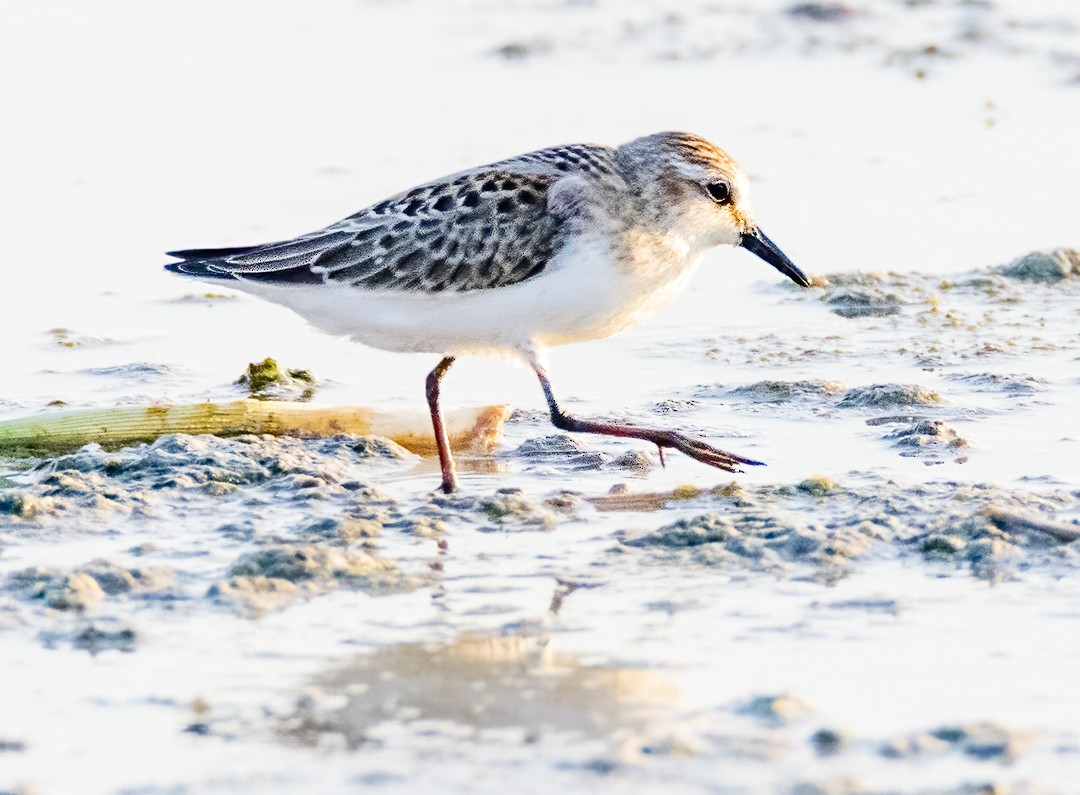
{"type": "Point", "coordinates": [778, 710]}
{"type": "Point", "coordinates": [821, 12]}
{"type": "Point", "coordinates": [758, 539]}
{"type": "Point", "coordinates": [22, 504]}
{"type": "Point", "coordinates": [102, 634]}
{"type": "Point", "coordinates": [561, 451]}
{"type": "Point", "coordinates": [323, 566]}
{"type": "Point", "coordinates": [855, 302]}
{"type": "Point", "coordinates": [125, 480]}
{"type": "Point", "coordinates": [133, 372]}
{"type": "Point", "coordinates": [358, 525]}
{"type": "Point", "coordinates": [1046, 267]}
{"type": "Point", "coordinates": [818, 486]}
{"type": "Point", "coordinates": [524, 50]}
{"type": "Point", "coordinates": [567, 453]}
{"type": "Point", "coordinates": [272, 578]}
{"type": "Point", "coordinates": [508, 510]}
{"type": "Point", "coordinates": [829, 742]}
{"type": "Point", "coordinates": [676, 406]}
{"type": "Point", "coordinates": [254, 596]}
{"type": "Point", "coordinates": [637, 462]}
{"type": "Point", "coordinates": [982, 741]}
{"type": "Point", "coordinates": [115, 580]}
{"type": "Point", "coordinates": [1014, 523]}
{"type": "Point", "coordinates": [927, 438]}
{"type": "Point", "coordinates": [1010, 384]}
{"type": "Point", "coordinates": [511, 510]}
{"type": "Point", "coordinates": [74, 591]}
{"type": "Point", "coordinates": [828, 528]}
{"type": "Point", "coordinates": [85, 587]}
{"type": "Point", "coordinates": [890, 396]}
{"type": "Point", "coordinates": [786, 391]}
{"type": "Point", "coordinates": [99, 637]}
{"type": "Point", "coordinates": [378, 448]}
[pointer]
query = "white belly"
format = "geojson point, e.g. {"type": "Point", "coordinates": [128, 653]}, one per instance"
{"type": "Point", "coordinates": [583, 294]}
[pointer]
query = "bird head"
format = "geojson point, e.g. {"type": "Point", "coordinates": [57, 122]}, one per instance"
{"type": "Point", "coordinates": [695, 189]}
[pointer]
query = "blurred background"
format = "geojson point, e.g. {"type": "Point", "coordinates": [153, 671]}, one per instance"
{"type": "Point", "coordinates": [885, 135]}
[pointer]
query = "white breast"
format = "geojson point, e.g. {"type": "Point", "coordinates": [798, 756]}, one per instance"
{"type": "Point", "coordinates": [588, 291]}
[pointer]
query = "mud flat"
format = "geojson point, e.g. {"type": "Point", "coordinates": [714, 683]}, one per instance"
{"type": "Point", "coordinates": [469, 625]}
{"type": "Point", "coordinates": [579, 612]}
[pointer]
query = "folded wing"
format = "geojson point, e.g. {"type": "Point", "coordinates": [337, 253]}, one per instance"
{"type": "Point", "coordinates": [488, 227]}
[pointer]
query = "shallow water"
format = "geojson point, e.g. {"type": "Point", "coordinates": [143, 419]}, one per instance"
{"type": "Point", "coordinates": [888, 606]}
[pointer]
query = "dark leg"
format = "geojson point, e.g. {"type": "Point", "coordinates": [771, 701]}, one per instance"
{"type": "Point", "coordinates": [661, 438]}
{"type": "Point", "coordinates": [446, 458]}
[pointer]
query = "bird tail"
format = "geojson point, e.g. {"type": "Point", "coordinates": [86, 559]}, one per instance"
{"type": "Point", "coordinates": [199, 261]}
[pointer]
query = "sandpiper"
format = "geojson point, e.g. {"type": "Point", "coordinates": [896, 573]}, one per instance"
{"type": "Point", "coordinates": [555, 246]}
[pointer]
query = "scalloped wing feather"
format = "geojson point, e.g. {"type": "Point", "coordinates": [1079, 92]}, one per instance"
{"type": "Point", "coordinates": [488, 227]}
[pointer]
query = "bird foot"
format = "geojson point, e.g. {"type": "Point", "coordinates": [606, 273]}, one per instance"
{"type": "Point", "coordinates": [663, 439]}
{"type": "Point", "coordinates": [705, 453]}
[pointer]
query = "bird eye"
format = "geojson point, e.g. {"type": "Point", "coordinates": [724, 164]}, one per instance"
{"type": "Point", "coordinates": [719, 192]}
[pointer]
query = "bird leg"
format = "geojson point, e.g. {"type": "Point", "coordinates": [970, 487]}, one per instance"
{"type": "Point", "coordinates": [446, 458]}
{"type": "Point", "coordinates": [700, 451]}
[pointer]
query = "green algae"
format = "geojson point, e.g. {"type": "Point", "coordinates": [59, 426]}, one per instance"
{"type": "Point", "coordinates": [266, 380]}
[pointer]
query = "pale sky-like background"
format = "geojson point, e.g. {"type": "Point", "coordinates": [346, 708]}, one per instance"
{"type": "Point", "coordinates": [134, 128]}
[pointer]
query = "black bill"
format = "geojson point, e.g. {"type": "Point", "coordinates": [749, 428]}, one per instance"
{"type": "Point", "coordinates": [756, 241]}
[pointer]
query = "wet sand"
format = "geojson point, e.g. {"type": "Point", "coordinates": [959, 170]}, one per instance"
{"type": "Point", "coordinates": [568, 614]}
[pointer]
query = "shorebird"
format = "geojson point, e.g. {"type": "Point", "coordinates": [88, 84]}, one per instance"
{"type": "Point", "coordinates": [556, 246]}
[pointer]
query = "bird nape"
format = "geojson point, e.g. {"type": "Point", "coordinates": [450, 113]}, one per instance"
{"type": "Point", "coordinates": [555, 246]}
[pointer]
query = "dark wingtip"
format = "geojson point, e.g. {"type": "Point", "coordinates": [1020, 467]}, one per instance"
{"type": "Point", "coordinates": [210, 253]}
{"type": "Point", "coordinates": [198, 261]}
{"type": "Point", "coordinates": [197, 268]}
{"type": "Point", "coordinates": [186, 268]}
